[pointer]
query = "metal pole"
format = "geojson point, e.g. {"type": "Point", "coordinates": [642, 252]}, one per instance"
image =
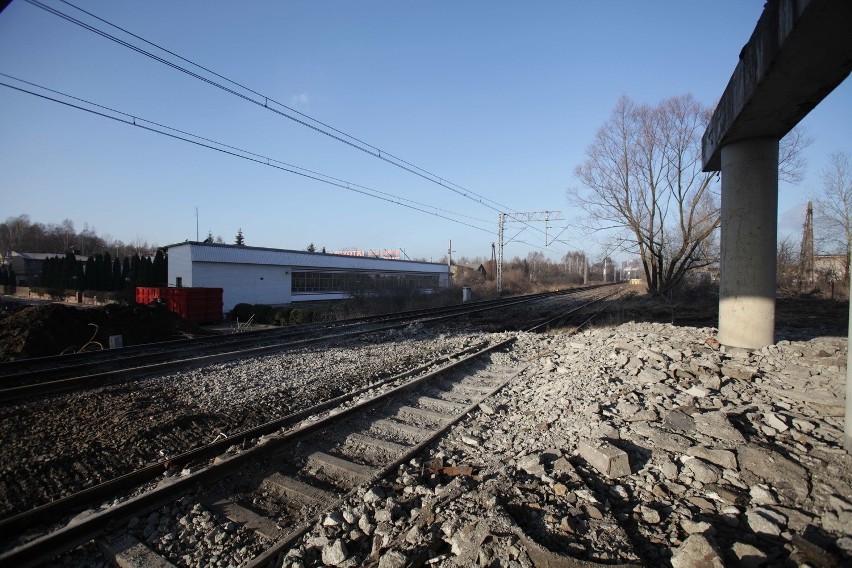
{"type": "Point", "coordinates": [450, 263]}
{"type": "Point", "coordinates": [847, 430]}
{"type": "Point", "coordinates": [500, 217]}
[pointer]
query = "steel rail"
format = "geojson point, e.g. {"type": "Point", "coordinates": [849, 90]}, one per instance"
{"type": "Point", "coordinates": [58, 366]}
{"type": "Point", "coordinates": [107, 377]}
{"type": "Point", "coordinates": [561, 316]}
{"type": "Point", "coordinates": [268, 556]}
{"type": "Point", "coordinates": [67, 505]}
{"type": "Point", "coordinates": [23, 368]}
{"type": "Point", "coordinates": [80, 531]}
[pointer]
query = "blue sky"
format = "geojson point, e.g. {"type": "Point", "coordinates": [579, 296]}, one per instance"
{"type": "Point", "coordinates": [501, 98]}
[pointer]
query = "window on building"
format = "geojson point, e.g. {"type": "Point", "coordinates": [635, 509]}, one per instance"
{"type": "Point", "coordinates": [316, 282]}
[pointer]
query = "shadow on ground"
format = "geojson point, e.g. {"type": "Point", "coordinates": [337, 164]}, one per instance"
{"type": "Point", "coordinates": [796, 318]}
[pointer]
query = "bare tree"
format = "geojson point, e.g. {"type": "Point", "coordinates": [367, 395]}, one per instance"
{"type": "Point", "coordinates": [834, 207]}
{"type": "Point", "coordinates": [787, 263]}
{"type": "Point", "coordinates": [791, 160]}
{"type": "Point", "coordinates": [642, 175]}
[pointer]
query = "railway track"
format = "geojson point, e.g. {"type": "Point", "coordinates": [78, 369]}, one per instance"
{"type": "Point", "coordinates": [290, 468]}
{"type": "Point", "coordinates": [41, 376]}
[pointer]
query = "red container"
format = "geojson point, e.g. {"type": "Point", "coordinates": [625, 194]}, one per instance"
{"type": "Point", "coordinates": [198, 305]}
{"type": "Point", "coordinates": [146, 295]}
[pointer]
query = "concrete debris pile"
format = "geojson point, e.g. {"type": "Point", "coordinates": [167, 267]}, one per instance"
{"type": "Point", "coordinates": [189, 532]}
{"type": "Point", "coordinates": [644, 444]}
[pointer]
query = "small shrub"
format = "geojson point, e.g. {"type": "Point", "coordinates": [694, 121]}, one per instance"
{"type": "Point", "coordinates": [281, 316]}
{"type": "Point", "coordinates": [56, 294]}
{"type": "Point", "coordinates": [299, 315]}
{"type": "Point", "coordinates": [262, 313]}
{"type": "Point", "coordinates": [127, 296]}
{"type": "Point", "coordinates": [38, 291]}
{"type": "Point", "coordinates": [241, 312]}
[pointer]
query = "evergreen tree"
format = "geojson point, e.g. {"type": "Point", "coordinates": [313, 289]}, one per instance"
{"type": "Point", "coordinates": [98, 274]}
{"type": "Point", "coordinates": [312, 248]}
{"type": "Point", "coordinates": [240, 241]}
{"type": "Point", "coordinates": [117, 282]}
{"type": "Point", "coordinates": [160, 269]}
{"type": "Point", "coordinates": [47, 271]}
{"type": "Point", "coordinates": [57, 278]}
{"type": "Point", "coordinates": [106, 273]}
{"type": "Point", "coordinates": [69, 271]}
{"type": "Point", "coordinates": [135, 270]}
{"type": "Point", "coordinates": [91, 274]}
{"type": "Point", "coordinates": [146, 271]}
{"type": "Point", "coordinates": [125, 272]}
{"type": "Point", "coordinates": [209, 238]}
{"type": "Point", "coordinates": [78, 277]}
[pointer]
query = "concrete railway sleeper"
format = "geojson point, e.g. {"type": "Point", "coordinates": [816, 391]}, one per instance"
{"type": "Point", "coordinates": [353, 444]}
{"type": "Point", "coordinates": [243, 438]}
{"type": "Point", "coordinates": [27, 378]}
{"type": "Point", "coordinates": [70, 476]}
{"type": "Point", "coordinates": [325, 462]}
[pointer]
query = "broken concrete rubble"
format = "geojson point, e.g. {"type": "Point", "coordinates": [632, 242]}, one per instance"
{"type": "Point", "coordinates": [703, 478]}
{"type": "Point", "coordinates": [606, 458]}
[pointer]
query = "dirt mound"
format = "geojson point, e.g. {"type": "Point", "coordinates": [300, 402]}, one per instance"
{"type": "Point", "coordinates": [39, 331]}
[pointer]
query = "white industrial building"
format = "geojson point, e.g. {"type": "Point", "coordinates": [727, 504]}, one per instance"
{"type": "Point", "coordinates": [256, 275]}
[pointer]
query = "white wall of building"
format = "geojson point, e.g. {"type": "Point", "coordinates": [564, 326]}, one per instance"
{"type": "Point", "coordinates": [248, 283]}
{"type": "Point", "coordinates": [256, 275]}
{"type": "Point", "coordinates": [180, 266]}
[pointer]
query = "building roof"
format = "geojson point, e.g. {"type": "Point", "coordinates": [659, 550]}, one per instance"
{"type": "Point", "coordinates": [45, 255]}
{"type": "Point", "coordinates": [234, 254]}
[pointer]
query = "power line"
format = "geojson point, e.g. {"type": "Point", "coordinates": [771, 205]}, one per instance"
{"type": "Point", "coordinates": [235, 151]}
{"type": "Point", "coordinates": [302, 118]}
{"type": "Point", "coordinates": [314, 124]}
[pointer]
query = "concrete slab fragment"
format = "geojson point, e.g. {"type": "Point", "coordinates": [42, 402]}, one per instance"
{"type": "Point", "coordinates": [128, 552]}
{"type": "Point", "coordinates": [606, 458]}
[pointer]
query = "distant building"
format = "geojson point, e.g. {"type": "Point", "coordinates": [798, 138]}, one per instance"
{"type": "Point", "coordinates": [828, 264]}
{"type": "Point", "coordinates": [256, 275]}
{"type": "Point", "coordinates": [467, 273]}
{"type": "Point", "coordinates": [388, 254]}
{"type": "Point", "coordinates": [28, 265]}
{"type": "Point", "coordinates": [632, 269]}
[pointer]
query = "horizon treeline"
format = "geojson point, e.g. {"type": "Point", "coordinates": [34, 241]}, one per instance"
{"type": "Point", "coordinates": [21, 234]}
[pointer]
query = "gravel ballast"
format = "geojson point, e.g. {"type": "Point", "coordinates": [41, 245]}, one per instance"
{"type": "Point", "coordinates": [64, 443]}
{"type": "Point", "coordinates": [733, 458]}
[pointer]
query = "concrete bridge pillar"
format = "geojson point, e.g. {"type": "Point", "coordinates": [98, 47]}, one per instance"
{"type": "Point", "coordinates": [748, 242]}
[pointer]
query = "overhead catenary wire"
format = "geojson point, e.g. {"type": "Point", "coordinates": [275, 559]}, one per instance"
{"type": "Point", "coordinates": [300, 118]}
{"type": "Point", "coordinates": [305, 119]}
{"type": "Point", "coordinates": [158, 128]}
